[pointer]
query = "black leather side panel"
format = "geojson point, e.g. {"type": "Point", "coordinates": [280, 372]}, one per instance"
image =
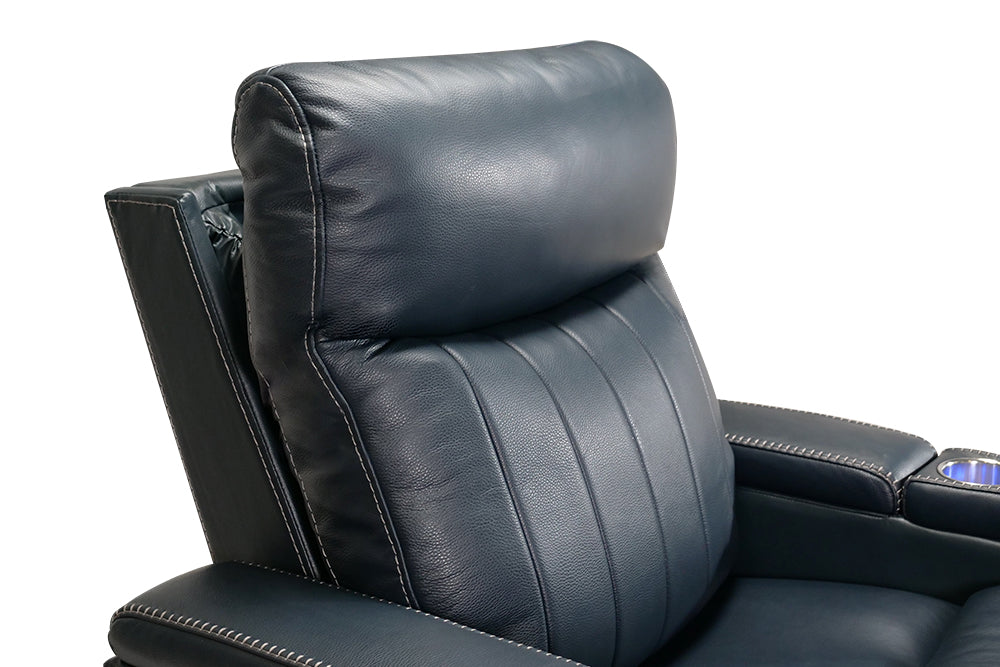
{"type": "Point", "coordinates": [192, 328]}
{"type": "Point", "coordinates": [789, 538]}
{"type": "Point", "coordinates": [237, 614]}
{"type": "Point", "coordinates": [817, 457]}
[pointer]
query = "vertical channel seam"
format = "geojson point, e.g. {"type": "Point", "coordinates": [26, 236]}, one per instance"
{"type": "Point", "coordinates": [586, 482]}
{"type": "Point", "coordinates": [642, 462]}
{"type": "Point", "coordinates": [504, 471]}
{"type": "Point", "coordinates": [699, 496]}
{"type": "Point", "coordinates": [685, 327]}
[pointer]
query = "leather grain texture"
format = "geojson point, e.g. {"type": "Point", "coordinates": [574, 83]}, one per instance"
{"type": "Point", "coordinates": [490, 395]}
{"type": "Point", "coordinates": [410, 172]}
{"type": "Point", "coordinates": [817, 457]}
{"type": "Point", "coordinates": [935, 501]}
{"type": "Point", "coordinates": [178, 242]}
{"type": "Point", "coordinates": [782, 622]}
{"type": "Point", "coordinates": [974, 638]}
{"type": "Point", "coordinates": [247, 616]}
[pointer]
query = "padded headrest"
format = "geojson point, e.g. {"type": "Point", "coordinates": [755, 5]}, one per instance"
{"type": "Point", "coordinates": [426, 196]}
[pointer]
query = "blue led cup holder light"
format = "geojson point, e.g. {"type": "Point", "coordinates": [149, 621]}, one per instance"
{"type": "Point", "coordinates": [978, 471]}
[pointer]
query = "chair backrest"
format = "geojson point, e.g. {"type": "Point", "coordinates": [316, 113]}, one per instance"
{"type": "Point", "coordinates": [489, 394]}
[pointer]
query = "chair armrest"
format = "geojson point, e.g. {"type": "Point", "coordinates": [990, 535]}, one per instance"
{"type": "Point", "coordinates": [241, 614]}
{"type": "Point", "coordinates": [820, 458]}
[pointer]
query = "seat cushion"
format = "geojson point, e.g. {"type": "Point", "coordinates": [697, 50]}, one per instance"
{"type": "Point", "coordinates": [974, 638]}
{"type": "Point", "coordinates": [791, 622]}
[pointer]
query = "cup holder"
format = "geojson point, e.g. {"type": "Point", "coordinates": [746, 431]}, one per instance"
{"type": "Point", "coordinates": [978, 471]}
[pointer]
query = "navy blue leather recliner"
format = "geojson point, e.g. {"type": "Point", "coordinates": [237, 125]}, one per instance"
{"type": "Point", "coordinates": [439, 403]}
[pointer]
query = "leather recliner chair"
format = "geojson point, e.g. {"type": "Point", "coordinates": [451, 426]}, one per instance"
{"type": "Point", "coordinates": [462, 419]}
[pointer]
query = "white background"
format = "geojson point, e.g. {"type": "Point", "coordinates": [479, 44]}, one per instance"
{"type": "Point", "coordinates": [834, 235]}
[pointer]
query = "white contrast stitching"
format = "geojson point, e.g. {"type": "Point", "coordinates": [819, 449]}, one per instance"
{"type": "Point", "coordinates": [225, 362]}
{"type": "Point", "coordinates": [312, 322]}
{"type": "Point", "coordinates": [200, 626]}
{"type": "Point", "coordinates": [841, 459]}
{"type": "Point", "coordinates": [274, 408]}
{"type": "Point", "coordinates": [964, 451]}
{"type": "Point", "coordinates": [250, 642]}
{"type": "Point", "coordinates": [840, 419]}
{"type": "Point", "coordinates": [305, 496]}
{"type": "Point", "coordinates": [156, 369]}
{"type": "Point", "coordinates": [364, 468]}
{"type": "Point", "coordinates": [944, 481]}
{"type": "Point", "coordinates": [416, 611]}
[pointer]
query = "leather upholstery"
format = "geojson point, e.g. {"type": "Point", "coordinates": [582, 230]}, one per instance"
{"type": "Point", "coordinates": [491, 404]}
{"type": "Point", "coordinates": [179, 241]}
{"type": "Point", "coordinates": [783, 622]}
{"type": "Point", "coordinates": [935, 501]}
{"type": "Point", "coordinates": [408, 173]}
{"type": "Point", "coordinates": [817, 457]}
{"type": "Point", "coordinates": [538, 474]}
{"type": "Point", "coordinates": [782, 537]}
{"type": "Point", "coordinates": [247, 616]}
{"type": "Point", "coordinates": [974, 639]}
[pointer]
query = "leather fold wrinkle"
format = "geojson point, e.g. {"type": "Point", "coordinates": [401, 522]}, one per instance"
{"type": "Point", "coordinates": [817, 457]}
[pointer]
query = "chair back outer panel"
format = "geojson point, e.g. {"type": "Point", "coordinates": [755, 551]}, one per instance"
{"type": "Point", "coordinates": [490, 396]}
{"type": "Point", "coordinates": [171, 235]}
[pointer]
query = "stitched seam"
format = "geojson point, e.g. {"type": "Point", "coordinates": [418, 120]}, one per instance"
{"type": "Point", "coordinates": [684, 437]}
{"type": "Point", "coordinates": [713, 405]}
{"type": "Point", "coordinates": [818, 455]}
{"type": "Point", "coordinates": [364, 468]}
{"type": "Point", "coordinates": [978, 452]}
{"type": "Point", "coordinates": [941, 481]}
{"type": "Point", "coordinates": [840, 419]}
{"type": "Point", "coordinates": [325, 378]}
{"type": "Point", "coordinates": [302, 487]}
{"type": "Point", "coordinates": [207, 629]}
{"type": "Point", "coordinates": [586, 482]}
{"type": "Point", "coordinates": [494, 440]}
{"type": "Point", "coordinates": [229, 372]}
{"type": "Point", "coordinates": [312, 323]}
{"type": "Point", "coordinates": [156, 369]}
{"type": "Point", "coordinates": [642, 462]}
{"type": "Point", "coordinates": [411, 609]}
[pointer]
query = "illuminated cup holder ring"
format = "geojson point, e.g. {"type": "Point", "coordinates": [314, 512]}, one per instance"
{"type": "Point", "coordinates": [977, 471]}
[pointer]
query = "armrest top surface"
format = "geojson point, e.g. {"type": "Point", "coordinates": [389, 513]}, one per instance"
{"type": "Point", "coordinates": [254, 614]}
{"type": "Point", "coordinates": [818, 457]}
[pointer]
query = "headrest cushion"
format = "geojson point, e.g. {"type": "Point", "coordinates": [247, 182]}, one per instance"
{"type": "Point", "coordinates": [426, 196]}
